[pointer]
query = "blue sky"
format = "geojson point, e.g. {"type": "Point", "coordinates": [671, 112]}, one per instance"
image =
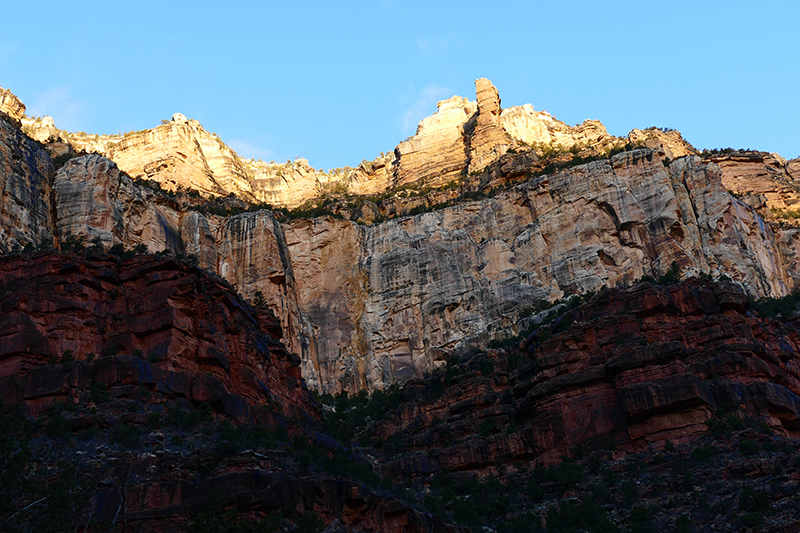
{"type": "Point", "coordinates": [340, 82]}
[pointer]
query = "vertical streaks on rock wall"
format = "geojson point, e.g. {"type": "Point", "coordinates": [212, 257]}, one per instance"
{"type": "Point", "coordinates": [367, 305]}
{"type": "Point", "coordinates": [26, 174]}
{"type": "Point", "coordinates": [93, 198]}
{"type": "Point", "coordinates": [332, 290]}
{"type": "Point", "coordinates": [251, 255]}
{"type": "Point", "coordinates": [449, 280]}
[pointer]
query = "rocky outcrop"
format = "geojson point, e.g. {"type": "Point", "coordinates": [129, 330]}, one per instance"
{"type": "Point", "coordinates": [207, 343]}
{"type": "Point", "coordinates": [368, 305]}
{"type": "Point", "coordinates": [178, 153]}
{"type": "Point", "coordinates": [669, 142]}
{"type": "Point", "coordinates": [137, 353]}
{"type": "Point", "coordinates": [334, 290]}
{"type": "Point", "coordinates": [488, 141]}
{"type": "Point", "coordinates": [764, 180]}
{"type": "Point", "coordinates": [252, 489]}
{"type": "Point", "coordinates": [11, 106]}
{"type": "Point", "coordinates": [438, 152]}
{"type": "Point", "coordinates": [631, 369]}
{"type": "Point", "coordinates": [364, 306]}
{"type": "Point", "coordinates": [463, 137]}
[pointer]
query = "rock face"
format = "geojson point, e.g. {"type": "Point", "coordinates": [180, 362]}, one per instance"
{"type": "Point", "coordinates": [442, 282]}
{"type": "Point", "coordinates": [670, 142]}
{"type": "Point", "coordinates": [364, 306]}
{"type": "Point", "coordinates": [92, 198]}
{"type": "Point", "coordinates": [462, 137]}
{"type": "Point", "coordinates": [344, 504]}
{"type": "Point", "coordinates": [488, 141]}
{"type": "Point", "coordinates": [208, 344]}
{"type": "Point", "coordinates": [178, 153]}
{"type": "Point", "coordinates": [438, 152]}
{"type": "Point", "coordinates": [11, 106]}
{"type": "Point", "coordinates": [132, 344]}
{"type": "Point", "coordinates": [26, 177]}
{"type": "Point", "coordinates": [764, 180]}
{"type": "Point", "coordinates": [638, 368]}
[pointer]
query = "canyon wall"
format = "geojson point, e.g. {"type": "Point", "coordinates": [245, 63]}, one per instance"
{"type": "Point", "coordinates": [396, 298]}
{"type": "Point", "coordinates": [634, 368]}
{"type": "Point", "coordinates": [93, 198]}
{"type": "Point", "coordinates": [26, 177]}
{"type": "Point", "coordinates": [188, 333]}
{"type": "Point", "coordinates": [367, 305]}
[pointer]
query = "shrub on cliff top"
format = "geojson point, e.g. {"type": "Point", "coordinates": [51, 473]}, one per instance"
{"type": "Point", "coordinates": [785, 307]}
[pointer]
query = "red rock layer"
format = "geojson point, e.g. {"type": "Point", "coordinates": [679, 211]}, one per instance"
{"type": "Point", "coordinates": [208, 344]}
{"type": "Point", "coordinates": [153, 335]}
{"type": "Point", "coordinates": [632, 368]}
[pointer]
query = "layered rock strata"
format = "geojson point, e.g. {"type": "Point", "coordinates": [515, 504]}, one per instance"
{"type": "Point", "coordinates": [766, 181]}
{"type": "Point", "coordinates": [252, 488]}
{"type": "Point", "coordinates": [439, 283]}
{"type": "Point", "coordinates": [129, 344]}
{"type": "Point", "coordinates": [209, 345]}
{"type": "Point", "coordinates": [462, 137]}
{"type": "Point", "coordinates": [26, 180]}
{"type": "Point", "coordinates": [438, 152]}
{"type": "Point", "coordinates": [364, 306]}
{"type": "Point", "coordinates": [631, 369]}
{"type": "Point", "coordinates": [11, 106]}
{"type": "Point", "coordinates": [93, 198]}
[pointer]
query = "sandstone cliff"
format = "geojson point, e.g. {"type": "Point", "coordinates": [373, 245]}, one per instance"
{"type": "Point", "coordinates": [93, 198]}
{"type": "Point", "coordinates": [11, 106]}
{"type": "Point", "coordinates": [462, 137]}
{"type": "Point", "coordinates": [26, 180]}
{"type": "Point", "coordinates": [439, 283]}
{"type": "Point", "coordinates": [639, 368]}
{"type": "Point", "coordinates": [367, 305]}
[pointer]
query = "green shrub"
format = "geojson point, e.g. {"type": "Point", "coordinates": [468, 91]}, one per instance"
{"type": "Point", "coordinates": [672, 276]}
{"type": "Point", "coordinates": [188, 419]}
{"type": "Point", "coordinates": [630, 491]}
{"type": "Point", "coordinates": [92, 432]}
{"type": "Point", "coordinates": [126, 436]}
{"type": "Point", "coordinates": [68, 357]}
{"type": "Point", "coordinates": [641, 518]}
{"type": "Point", "coordinates": [99, 392]}
{"type": "Point", "coordinates": [756, 506]}
{"type": "Point", "coordinates": [488, 426]}
{"type": "Point", "coordinates": [749, 447]}
{"type": "Point", "coordinates": [483, 364]}
{"type": "Point", "coordinates": [703, 454]}
{"type": "Point", "coordinates": [110, 351]}
{"type": "Point", "coordinates": [74, 243]}
{"type": "Point", "coordinates": [581, 515]}
{"type": "Point", "coordinates": [154, 421]}
{"type": "Point", "coordinates": [58, 428]}
{"type": "Point", "coordinates": [235, 439]}
{"type": "Point", "coordinates": [784, 307]}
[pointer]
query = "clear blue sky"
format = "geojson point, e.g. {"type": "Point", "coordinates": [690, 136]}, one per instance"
{"type": "Point", "coordinates": [338, 82]}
